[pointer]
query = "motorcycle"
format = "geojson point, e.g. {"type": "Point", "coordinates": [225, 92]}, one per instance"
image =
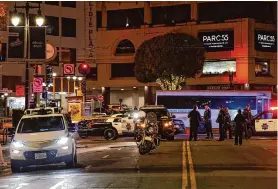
{"type": "Point", "coordinates": [147, 138]}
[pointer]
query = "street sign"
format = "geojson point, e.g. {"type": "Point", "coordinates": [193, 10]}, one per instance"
{"type": "Point", "coordinates": [69, 69]}
{"type": "Point", "coordinates": [51, 52]}
{"type": "Point", "coordinates": [5, 91]}
{"type": "Point", "coordinates": [20, 90]}
{"type": "Point", "coordinates": [37, 85]}
{"type": "Point", "coordinates": [100, 98]}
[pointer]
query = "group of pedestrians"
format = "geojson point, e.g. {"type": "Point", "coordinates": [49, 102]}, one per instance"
{"type": "Point", "coordinates": [242, 121]}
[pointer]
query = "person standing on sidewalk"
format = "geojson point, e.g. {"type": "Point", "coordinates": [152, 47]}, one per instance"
{"type": "Point", "coordinates": [195, 119]}
{"type": "Point", "coordinates": [207, 119]}
{"type": "Point", "coordinates": [240, 122]}
{"type": "Point", "coordinates": [220, 121]}
{"type": "Point", "coordinates": [227, 124]}
{"type": "Point", "coordinates": [248, 116]}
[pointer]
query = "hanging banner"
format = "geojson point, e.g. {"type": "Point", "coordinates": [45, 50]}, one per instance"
{"type": "Point", "coordinates": [19, 90]}
{"type": "Point", "coordinates": [265, 41]}
{"type": "Point", "coordinates": [215, 41]}
{"type": "Point", "coordinates": [16, 43]}
{"type": "Point", "coordinates": [37, 43]}
{"type": "Point", "coordinates": [38, 84]}
{"type": "Point", "coordinates": [91, 28]}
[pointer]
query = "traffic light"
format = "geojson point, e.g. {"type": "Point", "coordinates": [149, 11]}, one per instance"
{"type": "Point", "coordinates": [48, 74]}
{"type": "Point", "coordinates": [84, 68]}
{"type": "Point", "coordinates": [83, 86]}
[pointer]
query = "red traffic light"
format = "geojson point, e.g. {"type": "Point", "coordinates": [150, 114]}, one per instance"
{"type": "Point", "coordinates": [84, 68]}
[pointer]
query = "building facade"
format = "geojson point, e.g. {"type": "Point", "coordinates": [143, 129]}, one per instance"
{"type": "Point", "coordinates": [106, 34]}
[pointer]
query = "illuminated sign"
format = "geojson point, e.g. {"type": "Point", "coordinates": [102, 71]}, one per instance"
{"type": "Point", "coordinates": [217, 40]}
{"type": "Point", "coordinates": [266, 41]}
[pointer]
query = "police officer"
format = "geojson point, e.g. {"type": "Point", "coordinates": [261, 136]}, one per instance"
{"type": "Point", "coordinates": [248, 116]}
{"type": "Point", "coordinates": [240, 122]}
{"type": "Point", "coordinates": [220, 121]}
{"type": "Point", "coordinates": [195, 119]}
{"type": "Point", "coordinates": [207, 119]}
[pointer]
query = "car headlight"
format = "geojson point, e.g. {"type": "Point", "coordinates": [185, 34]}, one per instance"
{"type": "Point", "coordinates": [17, 144]}
{"type": "Point", "coordinates": [63, 140]}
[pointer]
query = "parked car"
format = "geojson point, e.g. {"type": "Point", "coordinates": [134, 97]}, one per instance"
{"type": "Point", "coordinates": [124, 125]}
{"type": "Point", "coordinates": [88, 128]}
{"type": "Point", "coordinates": [179, 126]}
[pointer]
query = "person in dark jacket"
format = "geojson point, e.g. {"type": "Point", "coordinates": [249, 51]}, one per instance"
{"type": "Point", "coordinates": [240, 121]}
{"type": "Point", "coordinates": [220, 121]}
{"type": "Point", "coordinates": [248, 117]}
{"type": "Point", "coordinates": [195, 119]}
{"type": "Point", "coordinates": [227, 124]}
{"type": "Point", "coordinates": [207, 119]}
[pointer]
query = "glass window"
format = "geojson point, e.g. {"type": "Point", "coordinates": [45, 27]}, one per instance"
{"type": "Point", "coordinates": [93, 74]}
{"type": "Point", "coordinates": [171, 14]}
{"type": "Point", "coordinates": [215, 67]}
{"type": "Point", "coordinates": [56, 3]}
{"type": "Point", "coordinates": [267, 115]}
{"type": "Point", "coordinates": [3, 52]}
{"type": "Point", "coordinates": [220, 11]}
{"type": "Point", "coordinates": [71, 4]}
{"type": "Point", "coordinates": [127, 18]}
{"type": "Point", "coordinates": [125, 47]}
{"type": "Point", "coordinates": [122, 70]}
{"type": "Point", "coordinates": [41, 124]}
{"type": "Point", "coordinates": [68, 55]}
{"type": "Point", "coordinates": [68, 27]}
{"type": "Point", "coordinates": [52, 24]}
{"type": "Point", "coordinates": [262, 68]}
{"type": "Point", "coordinates": [99, 19]}
{"type": "Point", "coordinates": [187, 102]}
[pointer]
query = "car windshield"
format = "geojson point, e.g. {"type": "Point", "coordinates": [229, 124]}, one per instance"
{"type": "Point", "coordinates": [41, 124]}
{"type": "Point", "coordinates": [159, 112]}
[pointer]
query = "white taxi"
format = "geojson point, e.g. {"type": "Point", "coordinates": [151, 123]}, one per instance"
{"type": "Point", "coordinates": [41, 139]}
{"type": "Point", "coordinates": [266, 121]}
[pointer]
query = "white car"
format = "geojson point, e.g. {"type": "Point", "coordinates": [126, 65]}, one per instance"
{"type": "Point", "coordinates": [124, 125]}
{"type": "Point", "coordinates": [42, 139]}
{"type": "Point", "coordinates": [266, 121]}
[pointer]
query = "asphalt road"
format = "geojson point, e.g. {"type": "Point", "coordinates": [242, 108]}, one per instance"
{"type": "Point", "coordinates": [205, 164]}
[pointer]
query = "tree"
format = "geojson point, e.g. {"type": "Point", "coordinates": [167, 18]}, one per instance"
{"type": "Point", "coordinates": [169, 60]}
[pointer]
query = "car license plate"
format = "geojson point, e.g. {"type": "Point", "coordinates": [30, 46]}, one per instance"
{"type": "Point", "coordinates": [40, 156]}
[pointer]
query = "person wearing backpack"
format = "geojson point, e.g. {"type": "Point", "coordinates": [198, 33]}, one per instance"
{"type": "Point", "coordinates": [240, 122]}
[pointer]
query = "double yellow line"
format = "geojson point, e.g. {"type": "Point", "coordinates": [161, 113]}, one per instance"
{"type": "Point", "coordinates": [187, 169]}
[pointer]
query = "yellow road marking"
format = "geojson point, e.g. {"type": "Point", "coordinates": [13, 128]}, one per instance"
{"type": "Point", "coordinates": [184, 167]}
{"type": "Point", "coordinates": [191, 168]}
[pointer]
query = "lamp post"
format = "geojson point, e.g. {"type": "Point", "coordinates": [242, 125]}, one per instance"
{"type": "Point", "coordinates": [53, 87]}
{"type": "Point", "coordinates": [231, 77]}
{"type": "Point", "coordinates": [15, 21]}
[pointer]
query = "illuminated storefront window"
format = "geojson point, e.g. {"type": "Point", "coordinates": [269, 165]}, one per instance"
{"type": "Point", "coordinates": [216, 67]}
{"type": "Point", "coordinates": [262, 68]}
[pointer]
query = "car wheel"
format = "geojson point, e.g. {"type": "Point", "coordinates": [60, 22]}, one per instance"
{"type": "Point", "coordinates": [15, 168]}
{"type": "Point", "coordinates": [110, 134]}
{"type": "Point", "coordinates": [171, 138]}
{"type": "Point", "coordinates": [72, 163]}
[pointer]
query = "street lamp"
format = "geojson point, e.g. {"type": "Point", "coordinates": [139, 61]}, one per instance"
{"type": "Point", "coordinates": [15, 21]}
{"type": "Point", "coordinates": [231, 77]}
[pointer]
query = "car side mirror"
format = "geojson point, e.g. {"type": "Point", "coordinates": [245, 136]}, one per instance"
{"type": "Point", "coordinates": [173, 116]}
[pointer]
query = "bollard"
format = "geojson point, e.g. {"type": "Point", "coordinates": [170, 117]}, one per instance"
{"type": "Point", "coordinates": [2, 162]}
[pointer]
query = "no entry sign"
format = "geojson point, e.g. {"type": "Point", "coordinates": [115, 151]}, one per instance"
{"type": "Point", "coordinates": [69, 69]}
{"type": "Point", "coordinates": [100, 98]}
{"type": "Point", "coordinates": [37, 85]}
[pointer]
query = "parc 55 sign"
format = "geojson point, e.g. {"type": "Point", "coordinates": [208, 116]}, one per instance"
{"type": "Point", "coordinates": [217, 40]}
{"type": "Point", "coordinates": [266, 41]}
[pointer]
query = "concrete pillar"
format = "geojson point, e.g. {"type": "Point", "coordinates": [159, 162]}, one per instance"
{"type": "Point", "coordinates": [148, 95]}
{"type": "Point", "coordinates": [135, 98]}
{"type": "Point", "coordinates": [147, 13]}
{"type": "Point", "coordinates": [104, 16]}
{"type": "Point", "coordinates": [194, 10]}
{"type": "Point", "coordinates": [106, 94]}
